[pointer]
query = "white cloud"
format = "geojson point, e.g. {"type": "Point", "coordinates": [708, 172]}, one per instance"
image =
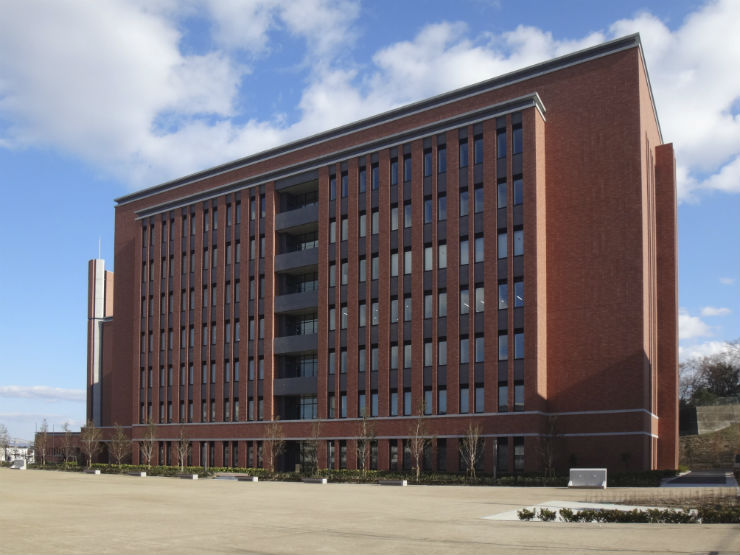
{"type": "Point", "coordinates": [690, 327]}
{"type": "Point", "coordinates": [695, 91]}
{"type": "Point", "coordinates": [707, 348]}
{"type": "Point", "coordinates": [714, 311]}
{"type": "Point", "coordinates": [111, 82]}
{"type": "Point", "coordinates": [727, 281]}
{"type": "Point", "coordinates": [41, 392]}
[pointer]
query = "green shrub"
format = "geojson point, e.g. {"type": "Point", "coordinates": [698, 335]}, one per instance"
{"type": "Point", "coordinates": [567, 515]}
{"type": "Point", "coordinates": [525, 514]}
{"type": "Point", "coordinates": [719, 515]}
{"type": "Point", "coordinates": [546, 515]}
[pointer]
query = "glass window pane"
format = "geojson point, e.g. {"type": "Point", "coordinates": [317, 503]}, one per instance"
{"type": "Point", "coordinates": [463, 203]}
{"type": "Point", "coordinates": [518, 242]}
{"type": "Point", "coordinates": [518, 191]}
{"type": "Point", "coordinates": [478, 150]}
{"type": "Point", "coordinates": [464, 301]}
{"type": "Point", "coordinates": [479, 349]}
{"type": "Point", "coordinates": [428, 300]}
{"type": "Point", "coordinates": [442, 305]}
{"type": "Point", "coordinates": [428, 259]}
{"type": "Point", "coordinates": [518, 293]}
{"type": "Point", "coordinates": [516, 140]}
{"type": "Point", "coordinates": [479, 299]}
{"type": "Point", "coordinates": [479, 256]}
{"type": "Point", "coordinates": [478, 201]}
{"type": "Point", "coordinates": [519, 345]}
{"type": "Point", "coordinates": [501, 198]}
{"type": "Point", "coordinates": [502, 245]}
{"type": "Point", "coordinates": [464, 400]}
{"type": "Point", "coordinates": [503, 295]}
{"type": "Point", "coordinates": [463, 252]}
{"type": "Point", "coordinates": [503, 347]}
{"type": "Point", "coordinates": [442, 353]}
{"type": "Point", "coordinates": [464, 350]}
{"type": "Point", "coordinates": [463, 154]}
{"type": "Point", "coordinates": [441, 159]}
{"type": "Point", "coordinates": [442, 255]}
{"type": "Point", "coordinates": [441, 208]}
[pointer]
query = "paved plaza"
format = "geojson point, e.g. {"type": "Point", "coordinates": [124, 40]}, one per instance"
{"type": "Point", "coordinates": [56, 512]}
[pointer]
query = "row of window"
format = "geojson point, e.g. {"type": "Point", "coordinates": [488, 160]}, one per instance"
{"type": "Point", "coordinates": [428, 212]}
{"type": "Point", "coordinates": [402, 308]}
{"type": "Point", "coordinates": [434, 457]}
{"type": "Point", "coordinates": [478, 345]}
{"type": "Point", "coordinates": [428, 162]}
{"type": "Point", "coordinates": [209, 221]}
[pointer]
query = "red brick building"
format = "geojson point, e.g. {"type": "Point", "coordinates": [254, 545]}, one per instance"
{"type": "Point", "coordinates": [503, 254]}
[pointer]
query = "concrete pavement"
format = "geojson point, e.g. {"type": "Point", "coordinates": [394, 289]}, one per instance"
{"type": "Point", "coordinates": [55, 512]}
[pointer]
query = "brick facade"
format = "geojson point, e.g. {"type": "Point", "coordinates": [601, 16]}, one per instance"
{"type": "Point", "coordinates": [558, 288]}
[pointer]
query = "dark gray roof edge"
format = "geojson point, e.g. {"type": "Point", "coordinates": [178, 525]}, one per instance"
{"type": "Point", "coordinates": [548, 66]}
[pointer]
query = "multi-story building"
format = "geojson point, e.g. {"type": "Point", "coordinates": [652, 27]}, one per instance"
{"type": "Point", "coordinates": [502, 255]}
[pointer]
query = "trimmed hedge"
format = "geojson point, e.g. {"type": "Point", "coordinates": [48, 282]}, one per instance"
{"type": "Point", "coordinates": [703, 515]}
{"type": "Point", "coordinates": [633, 479]}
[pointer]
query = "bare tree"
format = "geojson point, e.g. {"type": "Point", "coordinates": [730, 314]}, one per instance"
{"type": "Point", "coordinates": [147, 443]}
{"type": "Point", "coordinates": [120, 445]}
{"type": "Point", "coordinates": [418, 440]}
{"type": "Point", "coordinates": [548, 445]}
{"type": "Point", "coordinates": [365, 438]}
{"type": "Point", "coordinates": [706, 380]}
{"type": "Point", "coordinates": [471, 448]}
{"type": "Point", "coordinates": [183, 448]}
{"type": "Point", "coordinates": [90, 441]}
{"type": "Point", "coordinates": [4, 441]}
{"type": "Point", "coordinates": [67, 443]}
{"type": "Point", "coordinates": [274, 442]}
{"type": "Point", "coordinates": [311, 450]}
{"type": "Point", "coordinates": [41, 441]}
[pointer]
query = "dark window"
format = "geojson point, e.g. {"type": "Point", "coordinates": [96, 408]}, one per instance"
{"type": "Point", "coordinates": [427, 163]}
{"type": "Point", "coordinates": [501, 144]}
{"type": "Point", "coordinates": [464, 153]}
{"type": "Point", "coordinates": [478, 150]}
{"type": "Point", "coordinates": [332, 187]}
{"type": "Point", "coordinates": [394, 171]}
{"type": "Point", "coordinates": [362, 180]}
{"type": "Point", "coordinates": [441, 159]}
{"type": "Point", "coordinates": [407, 167]}
{"type": "Point", "coordinates": [374, 170]}
{"type": "Point", "coordinates": [516, 140]}
{"type": "Point", "coordinates": [518, 190]}
{"type": "Point", "coordinates": [344, 184]}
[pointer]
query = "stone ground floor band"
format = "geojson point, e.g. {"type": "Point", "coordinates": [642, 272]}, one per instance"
{"type": "Point", "coordinates": [618, 440]}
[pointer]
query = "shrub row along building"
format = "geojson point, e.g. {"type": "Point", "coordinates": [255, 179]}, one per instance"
{"type": "Point", "coordinates": [502, 255]}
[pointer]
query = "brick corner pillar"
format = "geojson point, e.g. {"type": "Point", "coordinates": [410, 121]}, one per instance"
{"type": "Point", "coordinates": [667, 233]}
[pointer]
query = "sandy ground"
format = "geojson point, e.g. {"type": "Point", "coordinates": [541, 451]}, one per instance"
{"type": "Point", "coordinates": [55, 512]}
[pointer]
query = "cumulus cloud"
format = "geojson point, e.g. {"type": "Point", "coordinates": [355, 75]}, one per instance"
{"type": "Point", "coordinates": [41, 392]}
{"type": "Point", "coordinates": [714, 311]}
{"type": "Point", "coordinates": [690, 326]}
{"type": "Point", "coordinates": [696, 93]}
{"type": "Point", "coordinates": [708, 348]}
{"type": "Point", "coordinates": [113, 83]}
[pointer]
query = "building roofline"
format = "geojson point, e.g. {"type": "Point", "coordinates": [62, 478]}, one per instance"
{"type": "Point", "coordinates": [555, 64]}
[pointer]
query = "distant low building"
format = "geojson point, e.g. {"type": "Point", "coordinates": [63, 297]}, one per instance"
{"type": "Point", "coordinates": [19, 449]}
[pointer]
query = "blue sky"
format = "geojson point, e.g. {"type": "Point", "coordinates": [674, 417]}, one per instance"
{"type": "Point", "coordinates": [103, 98]}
